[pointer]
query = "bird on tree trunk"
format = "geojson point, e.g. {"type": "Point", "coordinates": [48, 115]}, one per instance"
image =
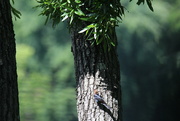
{"type": "Point", "coordinates": [99, 99]}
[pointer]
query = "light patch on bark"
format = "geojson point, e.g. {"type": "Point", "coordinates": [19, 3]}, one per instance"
{"type": "Point", "coordinates": [87, 106]}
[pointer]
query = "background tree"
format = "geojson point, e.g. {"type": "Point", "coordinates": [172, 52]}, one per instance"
{"type": "Point", "coordinates": [9, 105]}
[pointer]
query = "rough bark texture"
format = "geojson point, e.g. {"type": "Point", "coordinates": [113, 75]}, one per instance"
{"type": "Point", "coordinates": [9, 110]}
{"type": "Point", "coordinates": [96, 69]}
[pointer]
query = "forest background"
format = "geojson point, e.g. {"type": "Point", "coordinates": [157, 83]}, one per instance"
{"type": "Point", "coordinates": [149, 54]}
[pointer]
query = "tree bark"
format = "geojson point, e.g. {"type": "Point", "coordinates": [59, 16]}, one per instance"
{"type": "Point", "coordinates": [96, 68]}
{"type": "Point", "coordinates": [9, 106]}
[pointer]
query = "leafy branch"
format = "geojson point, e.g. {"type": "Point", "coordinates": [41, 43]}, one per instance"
{"type": "Point", "coordinates": [102, 15]}
{"type": "Point", "coordinates": [15, 12]}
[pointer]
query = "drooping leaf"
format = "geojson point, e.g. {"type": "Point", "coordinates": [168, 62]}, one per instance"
{"type": "Point", "coordinates": [140, 1]}
{"type": "Point", "coordinates": [12, 1]}
{"type": "Point", "coordinates": [149, 5]}
{"type": "Point", "coordinates": [71, 20]}
{"type": "Point", "coordinates": [47, 18]}
{"type": "Point", "coordinates": [15, 12]}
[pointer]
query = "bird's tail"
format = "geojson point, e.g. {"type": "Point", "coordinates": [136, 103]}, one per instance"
{"type": "Point", "coordinates": [106, 106]}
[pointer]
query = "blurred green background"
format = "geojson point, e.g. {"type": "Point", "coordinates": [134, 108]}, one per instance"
{"type": "Point", "coordinates": [149, 54]}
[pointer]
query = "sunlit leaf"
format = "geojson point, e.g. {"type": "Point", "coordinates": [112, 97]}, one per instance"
{"type": "Point", "coordinates": [112, 43]}
{"type": "Point", "coordinates": [78, 1]}
{"type": "Point", "coordinates": [72, 17]}
{"type": "Point", "coordinates": [83, 30]}
{"type": "Point", "coordinates": [91, 26]}
{"type": "Point", "coordinates": [79, 12]}
{"type": "Point", "coordinates": [68, 1]}
{"type": "Point", "coordinates": [84, 18]}
{"type": "Point", "coordinates": [66, 17]}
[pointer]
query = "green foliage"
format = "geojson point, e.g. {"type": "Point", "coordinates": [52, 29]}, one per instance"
{"type": "Point", "coordinates": [15, 12]}
{"type": "Point", "coordinates": [148, 3]}
{"type": "Point", "coordinates": [103, 16]}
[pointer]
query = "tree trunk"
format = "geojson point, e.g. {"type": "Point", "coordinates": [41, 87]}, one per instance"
{"type": "Point", "coordinates": [99, 69]}
{"type": "Point", "coordinates": [9, 110]}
